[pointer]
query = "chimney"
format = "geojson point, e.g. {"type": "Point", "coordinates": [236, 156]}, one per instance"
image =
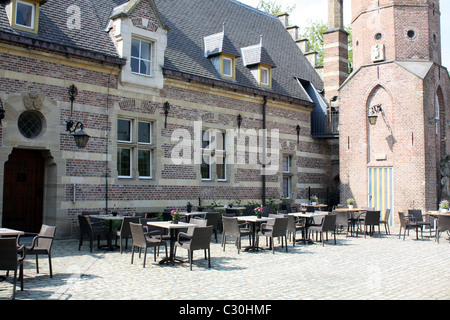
{"type": "Point", "coordinates": [284, 18]}
{"type": "Point", "coordinates": [335, 50]}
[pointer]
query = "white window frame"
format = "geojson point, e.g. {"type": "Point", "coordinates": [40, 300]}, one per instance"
{"type": "Point", "coordinates": [33, 15]}
{"type": "Point", "coordinates": [228, 75]}
{"type": "Point", "coordinates": [141, 59]}
{"type": "Point", "coordinates": [287, 174]}
{"type": "Point", "coordinates": [134, 145]}
{"type": "Point", "coordinates": [265, 81]}
{"type": "Point", "coordinates": [216, 152]}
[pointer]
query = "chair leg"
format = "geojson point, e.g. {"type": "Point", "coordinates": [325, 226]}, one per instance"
{"type": "Point", "coordinates": [14, 285]}
{"type": "Point", "coordinates": [209, 258]}
{"type": "Point", "coordinates": [37, 264]}
{"type": "Point", "coordinates": [50, 265]}
{"type": "Point", "coordinates": [132, 254]}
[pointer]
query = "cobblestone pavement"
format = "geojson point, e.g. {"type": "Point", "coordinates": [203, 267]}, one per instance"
{"type": "Point", "coordinates": [371, 268]}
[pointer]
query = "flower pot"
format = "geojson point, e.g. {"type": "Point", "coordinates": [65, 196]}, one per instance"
{"type": "Point", "coordinates": [175, 221]}
{"type": "Point", "coordinates": [444, 210]}
{"type": "Point", "coordinates": [350, 206]}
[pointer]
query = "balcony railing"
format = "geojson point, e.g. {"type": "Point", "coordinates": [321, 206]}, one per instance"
{"type": "Point", "coordinates": [325, 125]}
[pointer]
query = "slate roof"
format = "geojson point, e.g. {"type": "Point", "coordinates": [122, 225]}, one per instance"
{"type": "Point", "coordinates": [255, 55]}
{"type": "Point", "coordinates": [219, 43]}
{"type": "Point", "coordinates": [189, 22]}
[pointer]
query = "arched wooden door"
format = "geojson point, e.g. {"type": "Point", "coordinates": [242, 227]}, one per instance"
{"type": "Point", "coordinates": [23, 191]}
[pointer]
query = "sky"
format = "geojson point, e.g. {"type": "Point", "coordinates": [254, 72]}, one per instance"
{"type": "Point", "coordinates": [317, 10]}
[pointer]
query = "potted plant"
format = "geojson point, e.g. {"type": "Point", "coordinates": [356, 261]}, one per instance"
{"type": "Point", "coordinates": [258, 211]}
{"type": "Point", "coordinates": [444, 205]}
{"type": "Point", "coordinates": [188, 207]}
{"type": "Point", "coordinates": [314, 200]}
{"type": "Point", "coordinates": [350, 203]}
{"type": "Point", "coordinates": [175, 216]}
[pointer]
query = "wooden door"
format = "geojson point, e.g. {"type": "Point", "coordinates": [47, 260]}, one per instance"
{"type": "Point", "coordinates": [23, 191]}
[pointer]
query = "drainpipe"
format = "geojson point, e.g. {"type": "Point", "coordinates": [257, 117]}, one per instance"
{"type": "Point", "coordinates": [263, 176]}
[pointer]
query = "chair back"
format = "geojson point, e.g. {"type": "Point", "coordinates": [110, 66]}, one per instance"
{"type": "Point", "coordinates": [280, 227]}
{"type": "Point", "coordinates": [166, 214]}
{"type": "Point", "coordinates": [266, 211]}
{"type": "Point", "coordinates": [443, 223]}
{"type": "Point", "coordinates": [291, 222]}
{"type": "Point", "coordinates": [401, 217]}
{"type": "Point", "coordinates": [212, 219]}
{"type": "Point", "coordinates": [149, 228]}
{"type": "Point", "coordinates": [125, 229]}
{"type": "Point", "coordinates": [8, 254]}
{"type": "Point", "coordinates": [341, 218]}
{"type": "Point", "coordinates": [198, 223]}
{"type": "Point", "coordinates": [416, 214]}
{"type": "Point", "coordinates": [329, 222]}
{"type": "Point", "coordinates": [286, 207]}
{"type": "Point", "coordinates": [231, 212]}
{"type": "Point", "coordinates": [230, 226]}
{"type": "Point", "coordinates": [387, 215]}
{"type": "Point", "coordinates": [85, 224]}
{"type": "Point", "coordinates": [137, 234]}
{"type": "Point", "coordinates": [248, 211]}
{"type": "Point", "coordinates": [45, 243]}
{"type": "Point", "coordinates": [372, 218]}
{"type": "Point", "coordinates": [201, 238]}
{"type": "Point", "coordinates": [310, 209]}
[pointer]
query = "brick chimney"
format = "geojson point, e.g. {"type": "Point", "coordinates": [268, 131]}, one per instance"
{"type": "Point", "coordinates": [335, 47]}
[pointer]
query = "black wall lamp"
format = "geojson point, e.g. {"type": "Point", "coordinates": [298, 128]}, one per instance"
{"type": "Point", "coordinates": [239, 121]}
{"type": "Point", "coordinates": [2, 112]}
{"type": "Point", "coordinates": [373, 113]}
{"type": "Point", "coordinates": [81, 137]}
{"type": "Point", "coordinates": [298, 133]}
{"type": "Point", "coordinates": [166, 112]}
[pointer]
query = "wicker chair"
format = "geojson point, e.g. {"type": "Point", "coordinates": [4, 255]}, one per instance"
{"type": "Point", "coordinates": [143, 240]}
{"type": "Point", "coordinates": [274, 229]}
{"type": "Point", "coordinates": [386, 220]}
{"type": "Point", "coordinates": [342, 221]}
{"type": "Point", "coordinates": [11, 260]}
{"type": "Point", "coordinates": [406, 224]}
{"type": "Point", "coordinates": [42, 245]}
{"type": "Point", "coordinates": [417, 218]}
{"type": "Point", "coordinates": [91, 230]}
{"type": "Point", "coordinates": [212, 219]}
{"type": "Point", "coordinates": [328, 224]}
{"type": "Point", "coordinates": [371, 219]}
{"type": "Point", "coordinates": [125, 232]}
{"type": "Point", "coordinates": [199, 239]}
{"type": "Point", "coordinates": [443, 224]}
{"type": "Point", "coordinates": [231, 228]}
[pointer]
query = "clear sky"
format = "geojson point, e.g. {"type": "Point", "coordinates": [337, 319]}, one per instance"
{"type": "Point", "coordinates": [316, 10]}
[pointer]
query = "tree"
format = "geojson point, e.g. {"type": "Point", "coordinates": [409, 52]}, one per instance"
{"type": "Point", "coordinates": [272, 7]}
{"type": "Point", "coordinates": [314, 33]}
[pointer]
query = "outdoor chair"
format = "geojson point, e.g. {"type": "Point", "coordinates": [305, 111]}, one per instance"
{"type": "Point", "coordinates": [125, 232]}
{"type": "Point", "coordinates": [417, 218]}
{"type": "Point", "coordinates": [186, 236]}
{"type": "Point", "coordinates": [42, 245]}
{"type": "Point", "coordinates": [342, 221]}
{"type": "Point", "coordinates": [406, 224]}
{"type": "Point", "coordinates": [231, 212]}
{"type": "Point", "coordinates": [232, 228]}
{"type": "Point", "coordinates": [166, 214]}
{"type": "Point", "coordinates": [371, 220]}
{"type": "Point", "coordinates": [144, 240]}
{"type": "Point", "coordinates": [147, 228]}
{"type": "Point", "coordinates": [249, 210]}
{"type": "Point", "coordinates": [293, 226]}
{"type": "Point", "coordinates": [199, 239]}
{"type": "Point", "coordinates": [266, 211]}
{"type": "Point", "coordinates": [91, 230]}
{"type": "Point", "coordinates": [11, 258]}
{"type": "Point", "coordinates": [443, 224]}
{"type": "Point", "coordinates": [310, 209]}
{"type": "Point", "coordinates": [386, 221]}
{"type": "Point", "coordinates": [274, 229]}
{"type": "Point", "coordinates": [212, 219]}
{"type": "Point", "coordinates": [328, 224]}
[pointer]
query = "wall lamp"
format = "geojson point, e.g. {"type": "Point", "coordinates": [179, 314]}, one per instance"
{"type": "Point", "coordinates": [373, 113]}
{"type": "Point", "coordinates": [81, 138]}
{"type": "Point", "coordinates": [166, 112]}
{"type": "Point", "coordinates": [298, 133]}
{"type": "Point", "coordinates": [2, 112]}
{"type": "Point", "coordinates": [239, 121]}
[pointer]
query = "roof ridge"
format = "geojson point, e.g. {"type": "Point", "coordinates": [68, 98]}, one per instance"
{"type": "Point", "coordinates": [254, 9]}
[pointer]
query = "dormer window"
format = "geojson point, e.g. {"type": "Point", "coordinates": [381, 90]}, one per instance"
{"type": "Point", "coordinates": [222, 53]}
{"type": "Point", "coordinates": [25, 15]}
{"type": "Point", "coordinates": [258, 61]}
{"type": "Point", "coordinates": [141, 57]}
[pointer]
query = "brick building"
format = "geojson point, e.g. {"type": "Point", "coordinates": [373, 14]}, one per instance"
{"type": "Point", "coordinates": [398, 80]}
{"type": "Point", "coordinates": [157, 85]}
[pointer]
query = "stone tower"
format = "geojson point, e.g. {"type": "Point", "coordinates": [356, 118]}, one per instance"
{"type": "Point", "coordinates": [335, 40]}
{"type": "Point", "coordinates": [393, 162]}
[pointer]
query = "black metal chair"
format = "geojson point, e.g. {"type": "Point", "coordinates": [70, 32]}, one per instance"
{"type": "Point", "coordinates": [11, 258]}
{"type": "Point", "coordinates": [42, 245]}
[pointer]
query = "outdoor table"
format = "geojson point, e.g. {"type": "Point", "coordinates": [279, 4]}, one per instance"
{"type": "Point", "coordinates": [253, 220]}
{"type": "Point", "coordinates": [189, 215]}
{"type": "Point", "coordinates": [307, 216]}
{"type": "Point", "coordinates": [173, 228]}
{"type": "Point", "coordinates": [5, 232]}
{"type": "Point", "coordinates": [110, 219]}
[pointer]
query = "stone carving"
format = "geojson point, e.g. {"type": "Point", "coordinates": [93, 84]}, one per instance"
{"type": "Point", "coordinates": [445, 177]}
{"type": "Point", "coordinates": [33, 101]}
{"type": "Point", "coordinates": [378, 53]}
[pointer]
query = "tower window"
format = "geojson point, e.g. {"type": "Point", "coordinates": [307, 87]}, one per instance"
{"type": "Point", "coordinates": [378, 36]}
{"type": "Point", "coordinates": [411, 34]}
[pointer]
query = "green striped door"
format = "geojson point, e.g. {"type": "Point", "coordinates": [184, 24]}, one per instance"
{"type": "Point", "coordinates": [381, 190]}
